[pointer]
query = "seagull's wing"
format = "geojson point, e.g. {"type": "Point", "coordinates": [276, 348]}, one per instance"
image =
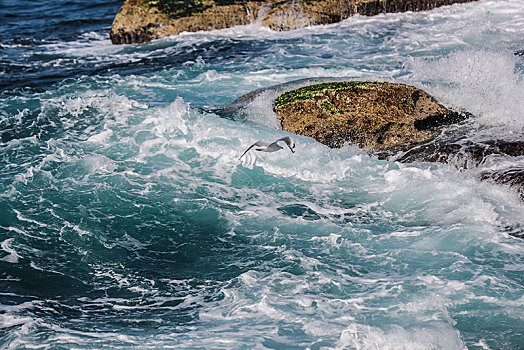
{"type": "Point", "coordinates": [259, 143]}
{"type": "Point", "coordinates": [289, 142]}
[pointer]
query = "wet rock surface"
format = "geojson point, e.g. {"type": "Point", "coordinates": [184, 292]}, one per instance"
{"type": "Point", "coordinates": [466, 154]}
{"type": "Point", "coordinates": [144, 20]}
{"type": "Point", "coordinates": [379, 117]}
{"type": "Point", "coordinates": [513, 177]}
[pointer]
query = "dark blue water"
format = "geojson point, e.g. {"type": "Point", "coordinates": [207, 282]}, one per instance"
{"type": "Point", "coordinates": [127, 220]}
{"type": "Point", "coordinates": [26, 27]}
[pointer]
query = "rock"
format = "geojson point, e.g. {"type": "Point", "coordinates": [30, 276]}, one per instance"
{"type": "Point", "coordinates": [463, 154]}
{"type": "Point", "coordinates": [383, 118]}
{"type": "Point", "coordinates": [235, 108]}
{"type": "Point", "coordinates": [513, 177]}
{"type": "Point", "coordinates": [139, 21]}
{"type": "Point", "coordinates": [467, 154]}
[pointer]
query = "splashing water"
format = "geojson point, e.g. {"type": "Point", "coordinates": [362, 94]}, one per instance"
{"type": "Point", "coordinates": [127, 221]}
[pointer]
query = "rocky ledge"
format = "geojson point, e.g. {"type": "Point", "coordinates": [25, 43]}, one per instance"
{"type": "Point", "coordinates": [140, 21]}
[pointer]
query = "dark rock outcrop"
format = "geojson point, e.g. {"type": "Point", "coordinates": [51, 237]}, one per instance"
{"type": "Point", "coordinates": [467, 154]}
{"type": "Point", "coordinates": [463, 153]}
{"type": "Point", "coordinates": [513, 177]}
{"type": "Point", "coordinates": [143, 20]}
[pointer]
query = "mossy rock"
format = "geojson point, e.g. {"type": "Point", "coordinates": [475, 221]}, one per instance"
{"type": "Point", "coordinates": [175, 8]}
{"type": "Point", "coordinates": [309, 92]}
{"type": "Point", "coordinates": [377, 116]}
{"type": "Point", "coordinates": [184, 8]}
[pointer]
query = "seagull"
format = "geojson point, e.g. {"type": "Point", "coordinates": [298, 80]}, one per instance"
{"type": "Point", "coordinates": [264, 146]}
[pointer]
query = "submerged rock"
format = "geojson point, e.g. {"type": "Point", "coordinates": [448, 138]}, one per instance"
{"type": "Point", "coordinates": [380, 117]}
{"type": "Point", "coordinates": [467, 154]}
{"type": "Point", "coordinates": [139, 21]}
{"type": "Point", "coordinates": [463, 153]}
{"type": "Point", "coordinates": [513, 177]}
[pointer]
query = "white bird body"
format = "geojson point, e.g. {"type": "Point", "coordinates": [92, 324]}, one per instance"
{"type": "Point", "coordinates": [264, 146]}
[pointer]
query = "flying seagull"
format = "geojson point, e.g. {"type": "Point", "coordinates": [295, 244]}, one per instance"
{"type": "Point", "coordinates": [264, 146]}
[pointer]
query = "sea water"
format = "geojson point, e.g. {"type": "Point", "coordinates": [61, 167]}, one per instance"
{"type": "Point", "coordinates": [128, 221]}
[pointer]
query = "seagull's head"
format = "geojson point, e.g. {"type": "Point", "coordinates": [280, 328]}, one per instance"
{"type": "Point", "coordinates": [292, 146]}
{"type": "Point", "coordinates": [289, 142]}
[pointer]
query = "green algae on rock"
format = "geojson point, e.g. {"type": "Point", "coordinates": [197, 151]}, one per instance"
{"type": "Point", "coordinates": [377, 116]}
{"type": "Point", "coordinates": [176, 9]}
{"type": "Point", "coordinates": [308, 92]}
{"type": "Point", "coordinates": [140, 21]}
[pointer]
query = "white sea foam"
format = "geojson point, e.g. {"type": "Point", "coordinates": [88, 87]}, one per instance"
{"type": "Point", "coordinates": [431, 187]}
{"type": "Point", "coordinates": [7, 321]}
{"type": "Point", "coordinates": [13, 256]}
{"type": "Point", "coordinates": [483, 82]}
{"type": "Point", "coordinates": [436, 336]}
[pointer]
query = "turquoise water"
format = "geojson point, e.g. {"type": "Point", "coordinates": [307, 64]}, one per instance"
{"type": "Point", "coordinates": [127, 220]}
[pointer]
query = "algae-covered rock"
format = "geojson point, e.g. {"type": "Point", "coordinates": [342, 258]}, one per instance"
{"type": "Point", "coordinates": [373, 115]}
{"type": "Point", "coordinates": [140, 21]}
{"type": "Point", "coordinates": [144, 20]}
